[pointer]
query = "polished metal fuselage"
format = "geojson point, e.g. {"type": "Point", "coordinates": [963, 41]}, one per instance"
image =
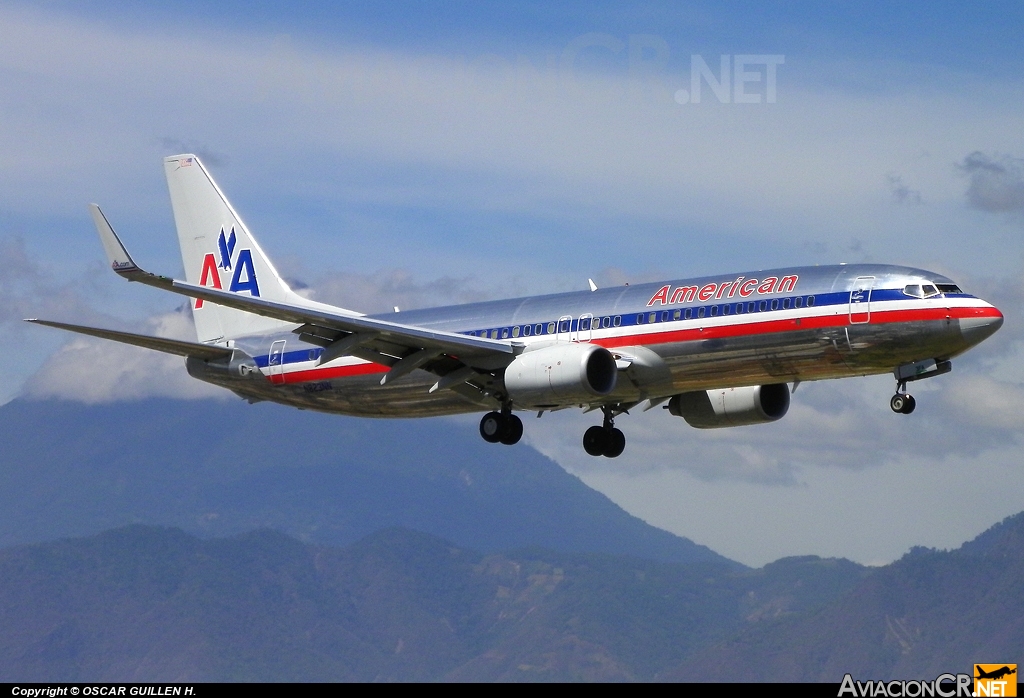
{"type": "Point", "coordinates": [700, 334]}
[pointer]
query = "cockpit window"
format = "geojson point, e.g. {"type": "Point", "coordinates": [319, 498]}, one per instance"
{"type": "Point", "coordinates": [921, 290]}
{"type": "Point", "coordinates": [949, 288]}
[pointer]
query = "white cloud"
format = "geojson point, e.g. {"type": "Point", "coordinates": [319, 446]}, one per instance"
{"type": "Point", "coordinates": [872, 516]}
{"type": "Point", "coordinates": [93, 370]}
{"type": "Point", "coordinates": [311, 125]}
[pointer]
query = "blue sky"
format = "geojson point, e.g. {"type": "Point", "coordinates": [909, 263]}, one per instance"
{"type": "Point", "coordinates": [416, 154]}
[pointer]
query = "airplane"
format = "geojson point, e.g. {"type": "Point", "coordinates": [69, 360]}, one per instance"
{"type": "Point", "coordinates": [718, 351]}
{"type": "Point", "coordinates": [995, 674]}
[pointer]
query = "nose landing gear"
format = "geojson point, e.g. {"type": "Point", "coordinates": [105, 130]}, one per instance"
{"type": "Point", "coordinates": [604, 440]}
{"type": "Point", "coordinates": [902, 402]}
{"type": "Point", "coordinates": [503, 427]}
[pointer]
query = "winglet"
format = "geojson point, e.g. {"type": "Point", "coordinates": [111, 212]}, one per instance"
{"type": "Point", "coordinates": [117, 255]}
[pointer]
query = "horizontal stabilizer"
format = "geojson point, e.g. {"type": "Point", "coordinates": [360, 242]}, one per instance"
{"type": "Point", "coordinates": [168, 346]}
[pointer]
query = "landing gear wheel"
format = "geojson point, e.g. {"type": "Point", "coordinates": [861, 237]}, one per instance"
{"type": "Point", "coordinates": [492, 427]}
{"type": "Point", "coordinates": [909, 403]}
{"type": "Point", "coordinates": [595, 440]}
{"type": "Point", "coordinates": [897, 403]}
{"type": "Point", "coordinates": [513, 430]}
{"type": "Point", "coordinates": [615, 444]}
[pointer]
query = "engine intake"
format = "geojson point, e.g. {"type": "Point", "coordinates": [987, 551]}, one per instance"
{"type": "Point", "coordinates": [732, 407]}
{"type": "Point", "coordinates": [562, 374]}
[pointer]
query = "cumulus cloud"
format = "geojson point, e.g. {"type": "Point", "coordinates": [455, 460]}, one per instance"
{"type": "Point", "coordinates": [93, 370]}
{"type": "Point", "coordinates": [996, 182]}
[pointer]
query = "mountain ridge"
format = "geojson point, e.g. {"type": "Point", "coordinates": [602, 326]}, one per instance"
{"type": "Point", "coordinates": [220, 468]}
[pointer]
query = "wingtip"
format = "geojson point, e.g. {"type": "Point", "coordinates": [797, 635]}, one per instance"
{"type": "Point", "coordinates": [117, 254]}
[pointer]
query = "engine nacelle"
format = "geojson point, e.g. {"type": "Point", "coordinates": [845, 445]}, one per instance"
{"type": "Point", "coordinates": [562, 374]}
{"type": "Point", "coordinates": [732, 407]}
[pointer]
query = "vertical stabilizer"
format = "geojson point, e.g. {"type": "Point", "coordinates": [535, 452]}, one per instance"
{"type": "Point", "coordinates": [219, 251]}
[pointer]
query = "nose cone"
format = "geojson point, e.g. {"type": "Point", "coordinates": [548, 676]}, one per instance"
{"type": "Point", "coordinates": [981, 326]}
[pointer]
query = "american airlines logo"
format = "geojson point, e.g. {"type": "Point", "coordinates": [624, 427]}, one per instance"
{"type": "Point", "coordinates": [243, 274]}
{"type": "Point", "coordinates": [742, 286]}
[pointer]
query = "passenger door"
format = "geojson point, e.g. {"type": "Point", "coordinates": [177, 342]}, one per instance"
{"type": "Point", "coordinates": [860, 300]}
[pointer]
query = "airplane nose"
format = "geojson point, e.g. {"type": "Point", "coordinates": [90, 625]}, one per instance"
{"type": "Point", "coordinates": [982, 326]}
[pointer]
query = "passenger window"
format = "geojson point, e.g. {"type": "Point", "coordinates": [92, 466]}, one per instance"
{"type": "Point", "coordinates": [762, 306]}
{"type": "Point", "coordinates": [739, 308]}
{"type": "Point", "coordinates": [810, 301]}
{"type": "Point", "coordinates": [798, 302]}
{"type": "Point", "coordinates": [664, 316]}
{"type": "Point", "coordinates": [640, 319]}
{"type": "Point", "coordinates": [527, 330]}
{"type": "Point", "coordinates": [607, 322]}
{"type": "Point", "coordinates": [504, 333]}
{"type": "Point", "coordinates": [618, 320]}
{"type": "Point", "coordinates": [563, 326]}
{"type": "Point", "coordinates": [676, 314]}
{"type": "Point", "coordinates": [714, 310]}
{"type": "Point", "coordinates": [727, 309]}
{"type": "Point", "coordinates": [653, 317]}
{"type": "Point", "coordinates": [515, 331]}
{"type": "Point", "coordinates": [775, 303]}
{"type": "Point", "coordinates": [700, 312]}
{"type": "Point", "coordinates": [785, 304]}
{"type": "Point", "coordinates": [551, 328]}
{"type": "Point", "coordinates": [751, 307]}
{"type": "Point", "coordinates": [688, 314]}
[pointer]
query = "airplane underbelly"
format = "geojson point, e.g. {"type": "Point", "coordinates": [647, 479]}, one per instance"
{"type": "Point", "coordinates": [816, 354]}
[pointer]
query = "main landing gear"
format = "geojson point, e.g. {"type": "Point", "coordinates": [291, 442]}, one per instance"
{"type": "Point", "coordinates": [604, 440]}
{"type": "Point", "coordinates": [902, 402]}
{"type": "Point", "coordinates": [503, 427]}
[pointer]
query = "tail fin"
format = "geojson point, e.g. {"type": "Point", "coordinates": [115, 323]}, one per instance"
{"type": "Point", "coordinates": [219, 251]}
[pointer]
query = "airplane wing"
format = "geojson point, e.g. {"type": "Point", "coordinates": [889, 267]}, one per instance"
{"type": "Point", "coordinates": [168, 346]}
{"type": "Point", "coordinates": [401, 347]}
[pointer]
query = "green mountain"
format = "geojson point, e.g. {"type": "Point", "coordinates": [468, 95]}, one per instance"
{"type": "Point", "coordinates": [222, 468]}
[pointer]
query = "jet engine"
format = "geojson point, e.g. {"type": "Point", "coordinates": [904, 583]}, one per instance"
{"type": "Point", "coordinates": [732, 407]}
{"type": "Point", "coordinates": [559, 375]}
